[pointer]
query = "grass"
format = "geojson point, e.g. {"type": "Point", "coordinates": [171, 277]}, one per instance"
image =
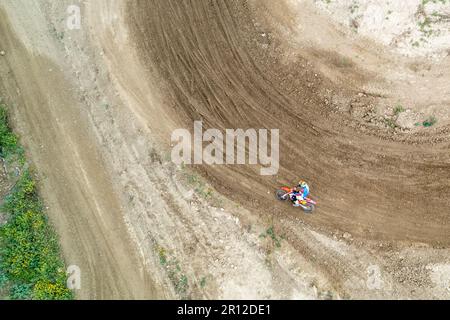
{"type": "Point", "coordinates": [398, 109]}
{"type": "Point", "coordinates": [30, 262]}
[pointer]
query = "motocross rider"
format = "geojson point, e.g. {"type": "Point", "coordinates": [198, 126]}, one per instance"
{"type": "Point", "coordinates": [299, 193]}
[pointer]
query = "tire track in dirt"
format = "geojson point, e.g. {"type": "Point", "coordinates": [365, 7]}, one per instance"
{"type": "Point", "coordinates": [215, 71]}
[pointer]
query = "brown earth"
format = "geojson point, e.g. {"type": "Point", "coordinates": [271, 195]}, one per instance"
{"type": "Point", "coordinates": [210, 55]}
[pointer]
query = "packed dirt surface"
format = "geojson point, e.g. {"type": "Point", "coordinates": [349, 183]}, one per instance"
{"type": "Point", "coordinates": [95, 108]}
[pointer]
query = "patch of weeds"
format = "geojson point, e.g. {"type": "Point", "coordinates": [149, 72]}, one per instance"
{"type": "Point", "coordinates": [31, 266]}
{"type": "Point", "coordinates": [391, 123]}
{"type": "Point", "coordinates": [429, 122]}
{"type": "Point", "coordinates": [162, 256]}
{"type": "Point", "coordinates": [270, 233]}
{"type": "Point", "coordinates": [175, 274]}
{"type": "Point", "coordinates": [353, 7]}
{"type": "Point", "coordinates": [425, 2]}
{"type": "Point", "coordinates": [426, 22]}
{"type": "Point", "coordinates": [58, 35]}
{"type": "Point", "coordinates": [398, 109]}
{"type": "Point", "coordinates": [425, 25]}
{"type": "Point", "coordinates": [181, 284]}
{"type": "Point", "coordinates": [155, 156]}
{"type": "Point", "coordinates": [10, 149]}
{"type": "Point", "coordinates": [203, 282]}
{"type": "Point", "coordinates": [199, 186]}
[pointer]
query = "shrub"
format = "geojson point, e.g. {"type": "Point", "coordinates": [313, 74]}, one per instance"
{"type": "Point", "coordinates": [29, 249]}
{"type": "Point", "coordinates": [30, 263]}
{"type": "Point", "coordinates": [21, 292]}
{"type": "Point", "coordinates": [46, 290]}
{"type": "Point", "coordinates": [9, 144]}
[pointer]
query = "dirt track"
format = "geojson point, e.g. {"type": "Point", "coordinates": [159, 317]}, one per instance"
{"type": "Point", "coordinates": [215, 70]}
{"type": "Point", "coordinates": [95, 108]}
{"type": "Point", "coordinates": [79, 195]}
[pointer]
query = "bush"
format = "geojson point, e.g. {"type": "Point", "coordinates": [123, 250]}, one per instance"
{"type": "Point", "coordinates": [45, 290]}
{"type": "Point", "coordinates": [29, 249]}
{"type": "Point", "coordinates": [9, 144]}
{"type": "Point", "coordinates": [21, 292]}
{"type": "Point", "coordinates": [30, 263]}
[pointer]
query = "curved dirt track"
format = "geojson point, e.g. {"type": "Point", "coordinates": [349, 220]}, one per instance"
{"type": "Point", "coordinates": [215, 70]}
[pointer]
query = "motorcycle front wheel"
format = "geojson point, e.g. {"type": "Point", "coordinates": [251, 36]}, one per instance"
{"type": "Point", "coordinates": [309, 208]}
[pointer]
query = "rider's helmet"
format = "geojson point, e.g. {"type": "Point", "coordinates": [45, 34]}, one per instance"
{"type": "Point", "coordinates": [302, 184]}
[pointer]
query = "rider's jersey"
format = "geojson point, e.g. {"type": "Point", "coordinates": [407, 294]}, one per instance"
{"type": "Point", "coordinates": [305, 191]}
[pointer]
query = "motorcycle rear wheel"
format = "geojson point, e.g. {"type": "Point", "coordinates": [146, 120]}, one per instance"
{"type": "Point", "coordinates": [281, 195]}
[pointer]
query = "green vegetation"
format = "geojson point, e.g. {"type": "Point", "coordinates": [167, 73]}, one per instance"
{"type": "Point", "coordinates": [10, 149]}
{"type": "Point", "coordinates": [429, 122]}
{"type": "Point", "coordinates": [391, 122]}
{"type": "Point", "coordinates": [425, 2]}
{"type": "Point", "coordinates": [200, 186]}
{"type": "Point", "coordinates": [30, 263]}
{"type": "Point", "coordinates": [203, 282]}
{"type": "Point", "coordinates": [398, 109]}
{"type": "Point", "coordinates": [271, 234]}
{"type": "Point", "coordinates": [178, 279]}
{"type": "Point", "coordinates": [426, 22]}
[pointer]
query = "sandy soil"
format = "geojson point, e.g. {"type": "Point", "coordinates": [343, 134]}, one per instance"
{"type": "Point", "coordinates": [412, 28]}
{"type": "Point", "coordinates": [95, 108]}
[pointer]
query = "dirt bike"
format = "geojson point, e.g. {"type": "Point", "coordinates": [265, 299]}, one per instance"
{"type": "Point", "coordinates": [308, 205]}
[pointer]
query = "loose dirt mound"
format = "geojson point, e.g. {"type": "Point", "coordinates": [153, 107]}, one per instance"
{"type": "Point", "coordinates": [218, 67]}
